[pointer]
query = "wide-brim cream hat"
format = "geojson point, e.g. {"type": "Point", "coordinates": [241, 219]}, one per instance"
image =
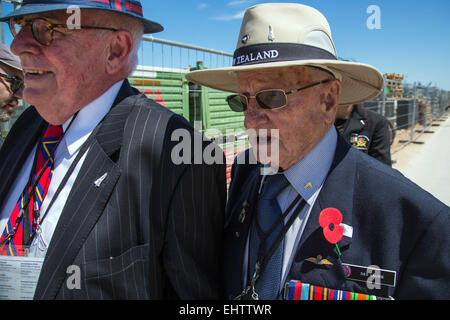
{"type": "Point", "coordinates": [275, 35]}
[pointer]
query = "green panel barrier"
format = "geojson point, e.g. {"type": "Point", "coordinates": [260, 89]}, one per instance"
{"type": "Point", "coordinates": [210, 107]}
{"type": "Point", "coordinates": [170, 89]}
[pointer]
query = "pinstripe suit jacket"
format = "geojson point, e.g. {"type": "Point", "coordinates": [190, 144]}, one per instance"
{"type": "Point", "coordinates": [149, 231]}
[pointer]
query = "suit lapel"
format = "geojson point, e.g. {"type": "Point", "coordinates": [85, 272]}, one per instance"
{"type": "Point", "coordinates": [239, 220]}
{"type": "Point", "coordinates": [88, 197]}
{"type": "Point", "coordinates": [15, 156]}
{"type": "Point", "coordinates": [337, 192]}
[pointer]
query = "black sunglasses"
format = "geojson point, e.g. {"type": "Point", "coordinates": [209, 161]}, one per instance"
{"type": "Point", "coordinates": [267, 99]}
{"type": "Point", "coordinates": [42, 29]}
{"type": "Point", "coordinates": [16, 83]}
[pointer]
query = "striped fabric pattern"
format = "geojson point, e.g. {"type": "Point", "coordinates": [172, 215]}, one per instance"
{"type": "Point", "coordinates": [148, 231]}
{"type": "Point", "coordinates": [123, 5]}
{"type": "Point", "coordinates": [44, 172]}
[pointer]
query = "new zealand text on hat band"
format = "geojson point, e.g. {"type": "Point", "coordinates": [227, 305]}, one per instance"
{"type": "Point", "coordinates": [276, 52]}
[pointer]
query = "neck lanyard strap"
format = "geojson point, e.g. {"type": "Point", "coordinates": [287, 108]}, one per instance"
{"type": "Point", "coordinates": [262, 262]}
{"type": "Point", "coordinates": [86, 145]}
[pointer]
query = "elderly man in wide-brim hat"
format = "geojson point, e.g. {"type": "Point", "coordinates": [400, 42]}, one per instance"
{"type": "Point", "coordinates": [330, 222]}
{"type": "Point", "coordinates": [88, 182]}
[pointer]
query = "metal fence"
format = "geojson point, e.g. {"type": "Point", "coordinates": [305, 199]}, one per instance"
{"type": "Point", "coordinates": [161, 76]}
{"type": "Point", "coordinates": [411, 116]}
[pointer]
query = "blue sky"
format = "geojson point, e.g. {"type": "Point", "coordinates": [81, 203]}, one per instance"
{"type": "Point", "coordinates": [414, 38]}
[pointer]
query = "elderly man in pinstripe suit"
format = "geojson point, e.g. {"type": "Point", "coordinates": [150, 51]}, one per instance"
{"type": "Point", "coordinates": [106, 200]}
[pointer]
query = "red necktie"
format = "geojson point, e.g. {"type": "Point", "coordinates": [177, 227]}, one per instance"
{"type": "Point", "coordinates": [13, 236]}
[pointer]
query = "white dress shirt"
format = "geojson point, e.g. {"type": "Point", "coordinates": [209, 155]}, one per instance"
{"type": "Point", "coordinates": [78, 132]}
{"type": "Point", "coordinates": [306, 177]}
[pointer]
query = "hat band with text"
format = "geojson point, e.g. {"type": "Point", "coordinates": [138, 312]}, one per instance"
{"type": "Point", "coordinates": [277, 52]}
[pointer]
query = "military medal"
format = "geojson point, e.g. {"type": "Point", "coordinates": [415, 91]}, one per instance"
{"type": "Point", "coordinates": [296, 290]}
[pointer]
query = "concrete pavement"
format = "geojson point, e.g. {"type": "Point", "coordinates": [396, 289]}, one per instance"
{"type": "Point", "coordinates": [428, 165]}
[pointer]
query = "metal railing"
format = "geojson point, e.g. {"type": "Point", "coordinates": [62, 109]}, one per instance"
{"type": "Point", "coordinates": [419, 110]}
{"type": "Point", "coordinates": [176, 55]}
{"type": "Point", "coordinates": [414, 115]}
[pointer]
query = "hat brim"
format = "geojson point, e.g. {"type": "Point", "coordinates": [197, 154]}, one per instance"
{"type": "Point", "coordinates": [360, 82]}
{"type": "Point", "coordinates": [28, 9]}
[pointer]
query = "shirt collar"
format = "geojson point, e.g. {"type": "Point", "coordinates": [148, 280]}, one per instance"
{"type": "Point", "coordinates": [308, 175]}
{"type": "Point", "coordinates": [88, 118]}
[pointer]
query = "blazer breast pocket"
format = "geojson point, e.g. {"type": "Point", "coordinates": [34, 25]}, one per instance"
{"type": "Point", "coordinates": [121, 277]}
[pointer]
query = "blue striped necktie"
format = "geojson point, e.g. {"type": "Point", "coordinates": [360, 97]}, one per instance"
{"type": "Point", "coordinates": [268, 213]}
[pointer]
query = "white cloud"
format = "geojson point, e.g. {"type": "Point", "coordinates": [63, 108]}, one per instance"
{"type": "Point", "coordinates": [236, 16]}
{"type": "Point", "coordinates": [238, 2]}
{"type": "Point", "coordinates": [202, 5]}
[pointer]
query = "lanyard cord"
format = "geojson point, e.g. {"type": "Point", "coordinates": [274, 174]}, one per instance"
{"type": "Point", "coordinates": [33, 183]}
{"type": "Point", "coordinates": [86, 145]}
{"type": "Point", "coordinates": [262, 260]}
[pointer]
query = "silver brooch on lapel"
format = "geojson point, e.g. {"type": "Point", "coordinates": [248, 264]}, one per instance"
{"type": "Point", "coordinates": [100, 180]}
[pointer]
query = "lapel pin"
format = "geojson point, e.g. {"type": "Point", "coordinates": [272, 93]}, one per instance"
{"type": "Point", "coordinates": [319, 261]}
{"type": "Point", "coordinates": [242, 216]}
{"type": "Point", "coordinates": [308, 186]}
{"type": "Point", "coordinates": [100, 180]}
{"type": "Point", "coordinates": [271, 34]}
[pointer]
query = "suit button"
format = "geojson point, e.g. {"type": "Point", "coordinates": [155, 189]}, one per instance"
{"type": "Point", "coordinates": [237, 234]}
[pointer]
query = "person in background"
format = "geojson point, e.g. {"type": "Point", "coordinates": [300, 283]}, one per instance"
{"type": "Point", "coordinates": [365, 130]}
{"type": "Point", "coordinates": [11, 86]}
{"type": "Point", "coordinates": [89, 182]}
{"type": "Point", "coordinates": [324, 221]}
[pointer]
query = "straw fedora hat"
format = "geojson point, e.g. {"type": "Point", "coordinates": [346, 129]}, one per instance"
{"type": "Point", "coordinates": [275, 35]}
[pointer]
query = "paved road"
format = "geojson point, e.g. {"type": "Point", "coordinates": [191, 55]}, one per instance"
{"type": "Point", "coordinates": [429, 165]}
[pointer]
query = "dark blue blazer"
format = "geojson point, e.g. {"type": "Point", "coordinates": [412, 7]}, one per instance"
{"type": "Point", "coordinates": [396, 226]}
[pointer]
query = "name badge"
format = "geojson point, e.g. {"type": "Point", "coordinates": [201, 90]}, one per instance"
{"type": "Point", "coordinates": [19, 277]}
{"type": "Point", "coordinates": [371, 274]}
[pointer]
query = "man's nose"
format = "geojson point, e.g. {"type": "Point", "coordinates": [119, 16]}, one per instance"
{"type": "Point", "coordinates": [254, 115]}
{"type": "Point", "coordinates": [24, 42]}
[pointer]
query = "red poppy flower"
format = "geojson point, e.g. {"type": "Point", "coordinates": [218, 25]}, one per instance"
{"type": "Point", "coordinates": [330, 220]}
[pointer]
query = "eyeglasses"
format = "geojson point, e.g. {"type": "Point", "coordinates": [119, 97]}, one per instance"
{"type": "Point", "coordinates": [16, 83]}
{"type": "Point", "coordinates": [43, 30]}
{"type": "Point", "coordinates": [267, 99]}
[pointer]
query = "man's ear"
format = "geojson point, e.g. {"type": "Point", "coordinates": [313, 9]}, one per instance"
{"type": "Point", "coordinates": [120, 48]}
{"type": "Point", "coordinates": [330, 100]}
{"type": "Point", "coordinates": [331, 97]}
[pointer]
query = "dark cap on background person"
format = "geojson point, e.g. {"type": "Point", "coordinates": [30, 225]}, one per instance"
{"type": "Point", "coordinates": [9, 62]}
